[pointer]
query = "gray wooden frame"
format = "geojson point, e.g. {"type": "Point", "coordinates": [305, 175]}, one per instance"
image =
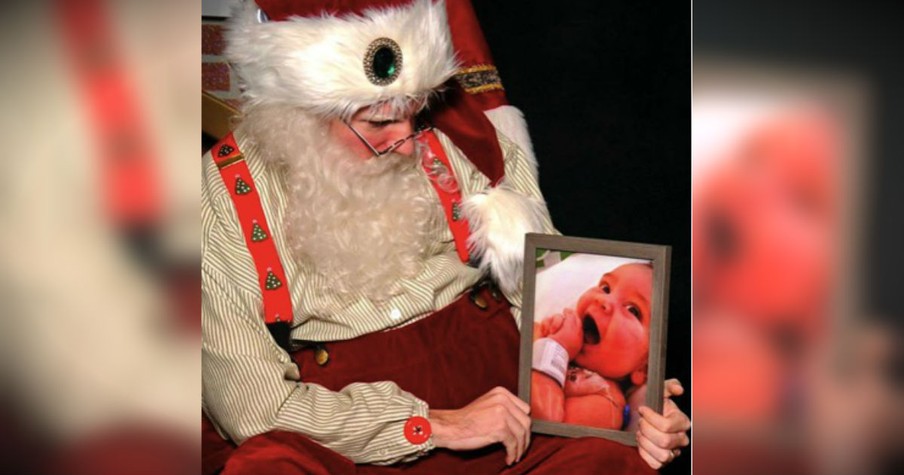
{"type": "Point", "coordinates": [660, 257]}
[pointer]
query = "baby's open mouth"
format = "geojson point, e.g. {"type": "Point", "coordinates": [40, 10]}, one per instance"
{"type": "Point", "coordinates": [591, 332]}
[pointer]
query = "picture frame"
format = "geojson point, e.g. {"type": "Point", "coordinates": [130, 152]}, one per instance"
{"type": "Point", "coordinates": [607, 281]}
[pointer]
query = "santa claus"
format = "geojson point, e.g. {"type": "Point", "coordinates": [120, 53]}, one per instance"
{"type": "Point", "coordinates": [363, 238]}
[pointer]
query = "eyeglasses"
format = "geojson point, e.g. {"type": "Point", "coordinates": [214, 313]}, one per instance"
{"type": "Point", "coordinates": [421, 125]}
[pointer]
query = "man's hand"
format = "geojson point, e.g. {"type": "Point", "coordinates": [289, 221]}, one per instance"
{"type": "Point", "coordinates": [661, 435]}
{"type": "Point", "coordinates": [565, 329]}
{"type": "Point", "coordinates": [497, 416]}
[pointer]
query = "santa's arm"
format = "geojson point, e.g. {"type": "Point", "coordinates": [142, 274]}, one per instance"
{"type": "Point", "coordinates": [251, 386]}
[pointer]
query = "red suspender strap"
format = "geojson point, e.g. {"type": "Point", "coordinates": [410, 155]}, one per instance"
{"type": "Point", "coordinates": [271, 277]}
{"type": "Point", "coordinates": [436, 165]}
{"type": "Point", "coordinates": [277, 302]}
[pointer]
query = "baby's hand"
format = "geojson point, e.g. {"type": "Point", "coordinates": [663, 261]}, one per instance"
{"type": "Point", "coordinates": [543, 328]}
{"type": "Point", "coordinates": [566, 330]}
{"type": "Point", "coordinates": [581, 382]}
{"type": "Point", "coordinates": [548, 326]}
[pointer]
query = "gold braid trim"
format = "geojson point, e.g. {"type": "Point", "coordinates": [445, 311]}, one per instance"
{"type": "Point", "coordinates": [479, 78]}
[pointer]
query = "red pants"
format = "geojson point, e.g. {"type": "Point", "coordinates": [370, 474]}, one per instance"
{"type": "Point", "coordinates": [448, 360]}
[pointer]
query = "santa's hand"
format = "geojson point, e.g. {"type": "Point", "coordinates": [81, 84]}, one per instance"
{"type": "Point", "coordinates": [661, 436]}
{"type": "Point", "coordinates": [568, 333]}
{"type": "Point", "coordinates": [497, 416]}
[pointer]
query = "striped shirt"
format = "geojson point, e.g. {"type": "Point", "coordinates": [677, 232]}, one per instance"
{"type": "Point", "coordinates": [251, 385]}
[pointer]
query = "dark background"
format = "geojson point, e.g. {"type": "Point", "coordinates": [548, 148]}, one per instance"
{"type": "Point", "coordinates": [606, 91]}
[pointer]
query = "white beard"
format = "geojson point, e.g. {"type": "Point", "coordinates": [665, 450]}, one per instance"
{"type": "Point", "coordinates": [362, 224]}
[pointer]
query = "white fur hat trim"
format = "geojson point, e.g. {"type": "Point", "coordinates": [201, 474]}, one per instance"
{"type": "Point", "coordinates": [318, 62]}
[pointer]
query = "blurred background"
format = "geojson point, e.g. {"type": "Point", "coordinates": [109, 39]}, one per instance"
{"type": "Point", "coordinates": [796, 233]}
{"type": "Point", "coordinates": [99, 338]}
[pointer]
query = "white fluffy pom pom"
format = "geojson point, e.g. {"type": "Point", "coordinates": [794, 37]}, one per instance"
{"type": "Point", "coordinates": [499, 218]}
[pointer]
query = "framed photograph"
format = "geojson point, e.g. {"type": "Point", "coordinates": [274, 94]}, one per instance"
{"type": "Point", "coordinates": [593, 334]}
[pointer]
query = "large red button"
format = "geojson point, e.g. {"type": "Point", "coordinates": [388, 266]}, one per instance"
{"type": "Point", "coordinates": [417, 430]}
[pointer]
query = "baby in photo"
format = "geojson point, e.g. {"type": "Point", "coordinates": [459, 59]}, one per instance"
{"type": "Point", "coordinates": [590, 361]}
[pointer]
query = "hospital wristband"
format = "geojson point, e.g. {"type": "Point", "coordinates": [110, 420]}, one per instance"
{"type": "Point", "coordinates": [551, 359]}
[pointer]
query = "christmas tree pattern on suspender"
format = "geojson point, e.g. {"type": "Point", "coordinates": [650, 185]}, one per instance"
{"type": "Point", "coordinates": [273, 282]}
{"type": "Point", "coordinates": [257, 232]}
{"type": "Point", "coordinates": [277, 301]}
{"type": "Point", "coordinates": [241, 188]}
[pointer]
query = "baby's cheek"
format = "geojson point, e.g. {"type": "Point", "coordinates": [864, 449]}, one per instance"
{"type": "Point", "coordinates": [636, 356]}
{"type": "Point", "coordinates": [624, 352]}
{"type": "Point", "coordinates": [630, 339]}
{"type": "Point", "coordinates": [625, 360]}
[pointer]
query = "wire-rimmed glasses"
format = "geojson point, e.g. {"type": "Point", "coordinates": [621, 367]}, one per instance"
{"type": "Point", "coordinates": [421, 125]}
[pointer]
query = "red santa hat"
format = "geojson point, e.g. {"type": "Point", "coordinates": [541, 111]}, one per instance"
{"type": "Point", "coordinates": [336, 57]}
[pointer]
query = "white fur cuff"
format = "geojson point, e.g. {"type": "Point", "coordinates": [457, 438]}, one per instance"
{"type": "Point", "coordinates": [499, 219]}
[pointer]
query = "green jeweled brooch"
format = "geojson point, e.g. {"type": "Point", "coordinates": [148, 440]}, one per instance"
{"type": "Point", "coordinates": [383, 61]}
